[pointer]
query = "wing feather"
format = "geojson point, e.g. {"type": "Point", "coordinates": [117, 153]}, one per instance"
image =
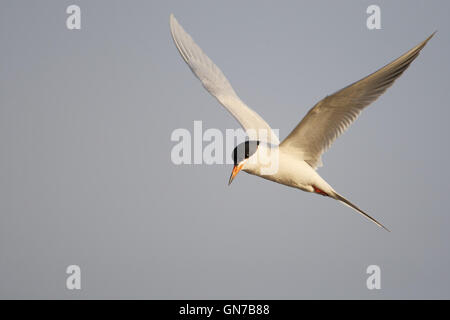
{"type": "Point", "coordinates": [331, 116]}
{"type": "Point", "coordinates": [218, 86]}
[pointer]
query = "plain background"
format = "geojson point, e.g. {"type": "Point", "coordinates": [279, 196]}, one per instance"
{"type": "Point", "coordinates": [86, 177]}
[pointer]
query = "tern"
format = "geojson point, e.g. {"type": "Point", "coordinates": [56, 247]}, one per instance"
{"type": "Point", "coordinates": [299, 154]}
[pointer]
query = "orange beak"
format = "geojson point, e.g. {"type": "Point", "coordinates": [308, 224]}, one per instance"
{"type": "Point", "coordinates": [235, 171]}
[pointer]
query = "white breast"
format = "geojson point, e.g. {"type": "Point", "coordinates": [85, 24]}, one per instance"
{"type": "Point", "coordinates": [273, 163]}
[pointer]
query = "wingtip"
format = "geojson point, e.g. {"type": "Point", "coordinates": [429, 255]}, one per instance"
{"type": "Point", "coordinates": [172, 19]}
{"type": "Point", "coordinates": [173, 23]}
{"type": "Point", "coordinates": [421, 45]}
{"type": "Point", "coordinates": [431, 36]}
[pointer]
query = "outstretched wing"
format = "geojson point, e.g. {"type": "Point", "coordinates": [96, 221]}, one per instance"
{"type": "Point", "coordinates": [331, 116]}
{"type": "Point", "coordinates": [217, 85]}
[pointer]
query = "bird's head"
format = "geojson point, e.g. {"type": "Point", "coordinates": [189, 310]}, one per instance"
{"type": "Point", "coordinates": [241, 156]}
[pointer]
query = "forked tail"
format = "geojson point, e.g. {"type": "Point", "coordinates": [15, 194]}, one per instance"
{"type": "Point", "coordinates": [351, 205]}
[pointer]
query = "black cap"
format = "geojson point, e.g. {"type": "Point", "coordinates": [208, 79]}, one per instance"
{"type": "Point", "coordinates": [244, 151]}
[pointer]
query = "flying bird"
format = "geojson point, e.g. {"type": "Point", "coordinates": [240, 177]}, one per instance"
{"type": "Point", "coordinates": [299, 154]}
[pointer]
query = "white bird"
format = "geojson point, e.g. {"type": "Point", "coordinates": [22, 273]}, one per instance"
{"type": "Point", "coordinates": [299, 155]}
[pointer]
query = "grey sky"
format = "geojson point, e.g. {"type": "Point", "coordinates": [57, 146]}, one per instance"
{"type": "Point", "coordinates": [86, 177]}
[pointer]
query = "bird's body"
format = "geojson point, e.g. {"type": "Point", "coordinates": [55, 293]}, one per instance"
{"type": "Point", "coordinates": [294, 161]}
{"type": "Point", "coordinates": [291, 170]}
